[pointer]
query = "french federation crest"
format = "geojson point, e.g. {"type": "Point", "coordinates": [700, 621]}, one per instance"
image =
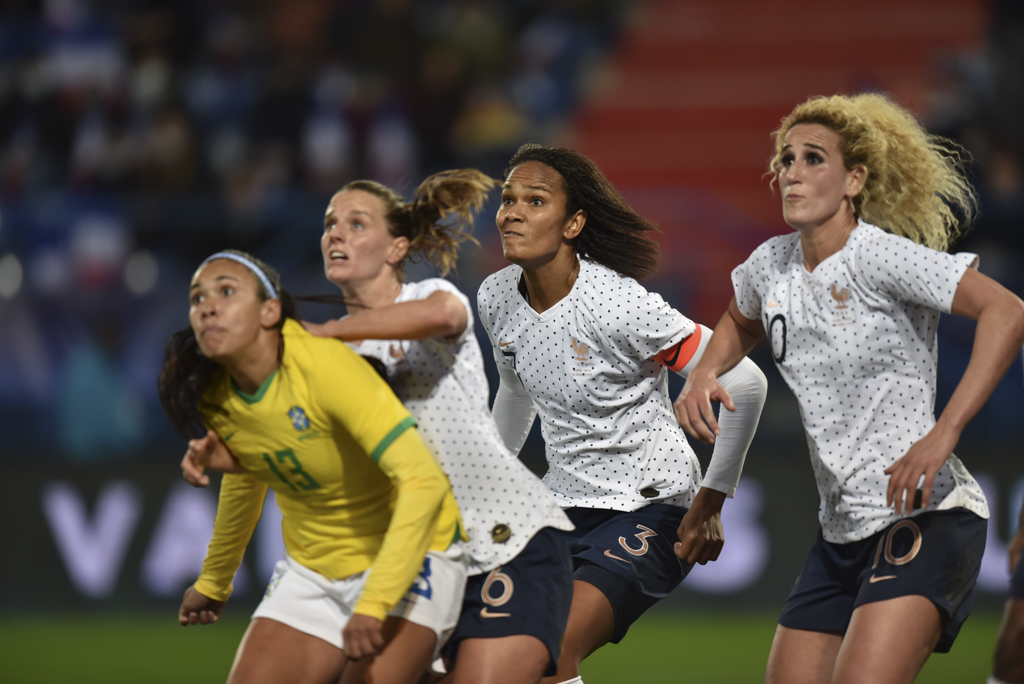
{"type": "Point", "coordinates": [299, 419]}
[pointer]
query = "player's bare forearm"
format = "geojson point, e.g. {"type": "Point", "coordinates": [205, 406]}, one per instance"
{"type": "Point", "coordinates": [1016, 546]}
{"type": "Point", "coordinates": [440, 314]}
{"type": "Point", "coordinates": [734, 336]}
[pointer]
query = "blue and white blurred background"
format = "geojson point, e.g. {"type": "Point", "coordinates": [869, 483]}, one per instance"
{"type": "Point", "coordinates": [138, 137]}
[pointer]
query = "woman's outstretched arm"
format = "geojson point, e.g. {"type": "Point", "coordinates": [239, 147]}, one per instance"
{"type": "Point", "coordinates": [440, 314]}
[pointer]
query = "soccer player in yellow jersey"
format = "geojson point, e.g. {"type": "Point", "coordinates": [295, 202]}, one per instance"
{"type": "Point", "coordinates": [365, 506]}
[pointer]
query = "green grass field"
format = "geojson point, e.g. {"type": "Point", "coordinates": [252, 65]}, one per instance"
{"type": "Point", "coordinates": [660, 648]}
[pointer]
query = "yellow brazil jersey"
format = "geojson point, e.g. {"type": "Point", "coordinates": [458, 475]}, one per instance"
{"type": "Point", "coordinates": [356, 486]}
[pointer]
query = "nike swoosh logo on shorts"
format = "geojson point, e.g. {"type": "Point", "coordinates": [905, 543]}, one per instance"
{"type": "Point", "coordinates": [874, 579]}
{"type": "Point", "coordinates": [504, 344]}
{"type": "Point", "coordinates": [612, 555]}
{"type": "Point", "coordinates": [485, 614]}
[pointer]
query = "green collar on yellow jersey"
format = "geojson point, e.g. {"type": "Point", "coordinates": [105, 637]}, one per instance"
{"type": "Point", "coordinates": [258, 394]}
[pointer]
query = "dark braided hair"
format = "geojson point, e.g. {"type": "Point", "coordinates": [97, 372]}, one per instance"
{"type": "Point", "coordinates": [614, 234]}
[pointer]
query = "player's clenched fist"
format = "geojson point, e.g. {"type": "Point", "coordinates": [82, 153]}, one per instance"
{"type": "Point", "coordinates": [197, 609]}
{"type": "Point", "coordinates": [701, 537]}
{"type": "Point", "coordinates": [362, 636]}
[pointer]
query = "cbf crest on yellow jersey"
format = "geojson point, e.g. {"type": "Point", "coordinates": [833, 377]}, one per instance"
{"type": "Point", "coordinates": [336, 446]}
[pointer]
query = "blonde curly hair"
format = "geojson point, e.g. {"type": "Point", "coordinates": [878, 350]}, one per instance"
{"type": "Point", "coordinates": [914, 182]}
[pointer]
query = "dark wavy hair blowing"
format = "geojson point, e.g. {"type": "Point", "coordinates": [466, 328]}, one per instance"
{"type": "Point", "coordinates": [440, 216]}
{"type": "Point", "coordinates": [614, 235]}
{"type": "Point", "coordinates": [186, 373]}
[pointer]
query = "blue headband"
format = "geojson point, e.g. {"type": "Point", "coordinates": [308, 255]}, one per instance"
{"type": "Point", "coordinates": [248, 263]}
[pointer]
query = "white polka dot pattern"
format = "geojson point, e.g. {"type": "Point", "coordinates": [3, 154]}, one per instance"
{"type": "Point", "coordinates": [855, 340]}
{"type": "Point", "coordinates": [442, 383]}
{"type": "Point", "coordinates": [588, 365]}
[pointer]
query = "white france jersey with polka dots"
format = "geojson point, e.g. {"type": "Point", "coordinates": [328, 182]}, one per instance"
{"type": "Point", "coordinates": [855, 340]}
{"type": "Point", "coordinates": [442, 383]}
{"type": "Point", "coordinates": [588, 365]}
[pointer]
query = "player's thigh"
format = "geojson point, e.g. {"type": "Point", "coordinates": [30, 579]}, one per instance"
{"type": "Point", "coordinates": [1008, 663]}
{"type": "Point", "coordinates": [408, 651]}
{"type": "Point", "coordinates": [889, 641]}
{"type": "Point", "coordinates": [518, 659]}
{"type": "Point", "coordinates": [629, 557]}
{"type": "Point", "coordinates": [272, 652]}
{"type": "Point", "coordinates": [591, 621]}
{"type": "Point", "coordinates": [800, 656]}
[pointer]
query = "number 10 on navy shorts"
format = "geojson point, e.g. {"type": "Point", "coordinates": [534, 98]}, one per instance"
{"type": "Point", "coordinates": [936, 555]}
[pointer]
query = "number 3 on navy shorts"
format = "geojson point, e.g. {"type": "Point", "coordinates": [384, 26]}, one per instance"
{"type": "Point", "coordinates": [885, 544]}
{"type": "Point", "coordinates": [642, 535]}
{"type": "Point", "coordinates": [496, 581]}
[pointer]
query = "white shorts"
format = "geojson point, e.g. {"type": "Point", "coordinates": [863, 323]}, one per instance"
{"type": "Point", "coordinates": [309, 602]}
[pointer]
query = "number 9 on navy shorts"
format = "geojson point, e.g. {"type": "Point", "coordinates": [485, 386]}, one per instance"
{"type": "Point", "coordinates": [936, 555]}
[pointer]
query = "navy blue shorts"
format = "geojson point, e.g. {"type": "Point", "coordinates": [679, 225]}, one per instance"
{"type": "Point", "coordinates": [530, 594]}
{"type": "Point", "coordinates": [936, 555]}
{"type": "Point", "coordinates": [629, 557]}
{"type": "Point", "coordinates": [1017, 581]}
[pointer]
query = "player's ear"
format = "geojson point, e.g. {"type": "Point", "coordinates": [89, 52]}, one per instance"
{"type": "Point", "coordinates": [574, 225]}
{"type": "Point", "coordinates": [270, 313]}
{"type": "Point", "coordinates": [855, 179]}
{"type": "Point", "coordinates": [399, 248]}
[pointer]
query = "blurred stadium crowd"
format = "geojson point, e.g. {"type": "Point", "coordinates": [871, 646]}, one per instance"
{"type": "Point", "coordinates": [138, 137]}
{"type": "Point", "coordinates": [979, 103]}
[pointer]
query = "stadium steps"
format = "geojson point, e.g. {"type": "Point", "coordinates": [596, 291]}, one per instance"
{"type": "Point", "coordinates": [680, 118]}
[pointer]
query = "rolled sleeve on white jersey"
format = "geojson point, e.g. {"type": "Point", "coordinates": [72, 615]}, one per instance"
{"type": "Point", "coordinates": [638, 323]}
{"type": "Point", "coordinates": [751, 278]}
{"type": "Point", "coordinates": [909, 272]}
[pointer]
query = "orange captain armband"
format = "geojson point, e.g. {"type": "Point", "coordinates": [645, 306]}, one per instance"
{"type": "Point", "coordinates": [678, 355]}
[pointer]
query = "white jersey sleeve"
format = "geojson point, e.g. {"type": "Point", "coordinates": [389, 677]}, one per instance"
{"type": "Point", "coordinates": [424, 288]}
{"type": "Point", "coordinates": [906, 271]}
{"type": "Point", "coordinates": [633, 320]}
{"type": "Point", "coordinates": [752, 277]}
